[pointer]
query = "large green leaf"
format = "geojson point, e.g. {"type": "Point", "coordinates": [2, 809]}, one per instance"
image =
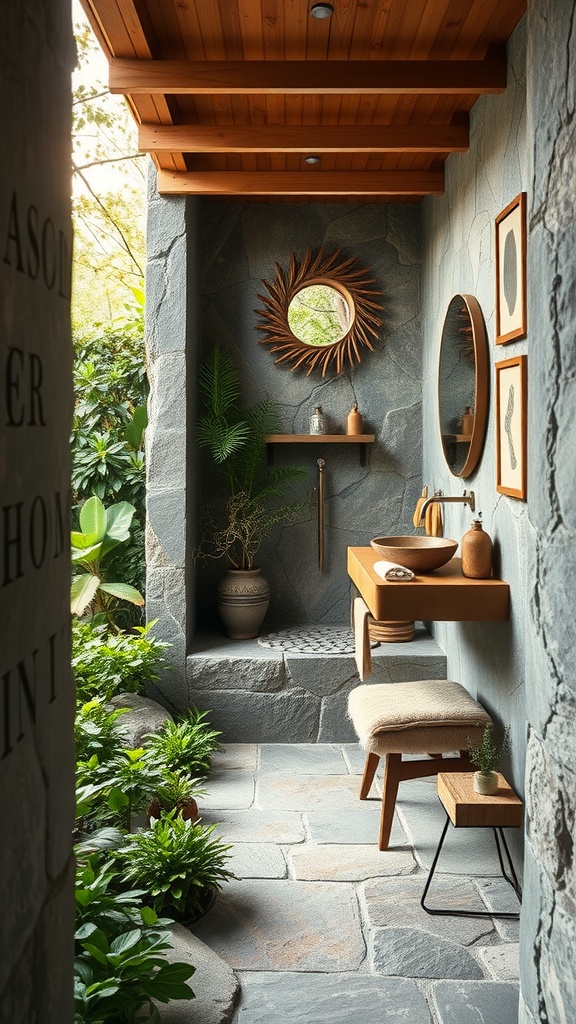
{"type": "Point", "coordinates": [83, 540]}
{"type": "Point", "coordinates": [91, 554]}
{"type": "Point", "coordinates": [83, 592]}
{"type": "Point", "coordinates": [118, 520]}
{"type": "Point", "coordinates": [136, 427]}
{"type": "Point", "coordinates": [93, 518]}
{"type": "Point", "coordinates": [124, 591]}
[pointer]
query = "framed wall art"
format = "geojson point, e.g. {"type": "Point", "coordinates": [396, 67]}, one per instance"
{"type": "Point", "coordinates": [511, 376]}
{"type": "Point", "coordinates": [511, 271]}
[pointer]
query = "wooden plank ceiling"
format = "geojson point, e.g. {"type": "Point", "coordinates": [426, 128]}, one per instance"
{"type": "Point", "coordinates": [231, 96]}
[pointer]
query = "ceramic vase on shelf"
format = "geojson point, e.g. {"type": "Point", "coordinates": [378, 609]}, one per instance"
{"type": "Point", "coordinates": [476, 552]}
{"type": "Point", "coordinates": [243, 599]}
{"type": "Point", "coordinates": [354, 421]}
{"type": "Point", "coordinates": [486, 783]}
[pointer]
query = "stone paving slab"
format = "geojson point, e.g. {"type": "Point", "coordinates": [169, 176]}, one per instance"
{"type": "Point", "coordinates": [466, 851]}
{"type": "Point", "coordinates": [329, 999]}
{"type": "Point", "coordinates": [285, 926]}
{"type": "Point", "coordinates": [355, 757]}
{"type": "Point", "coordinates": [500, 897]}
{"type": "Point", "coordinates": [258, 826]}
{"type": "Point", "coordinates": [305, 792]}
{"type": "Point", "coordinates": [412, 953]}
{"type": "Point", "coordinates": [356, 826]}
{"type": "Point", "coordinates": [395, 903]}
{"type": "Point", "coordinates": [257, 860]}
{"type": "Point", "coordinates": [231, 790]}
{"type": "Point", "coordinates": [502, 962]}
{"type": "Point", "coordinates": [346, 863]}
{"type": "Point", "coordinates": [302, 759]}
{"type": "Point", "coordinates": [468, 1002]}
{"type": "Point", "coordinates": [235, 755]}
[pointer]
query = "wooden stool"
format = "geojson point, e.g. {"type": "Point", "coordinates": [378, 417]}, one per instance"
{"type": "Point", "coordinates": [392, 719]}
{"type": "Point", "coordinates": [467, 809]}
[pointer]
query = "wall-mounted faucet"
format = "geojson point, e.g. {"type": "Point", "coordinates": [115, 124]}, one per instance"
{"type": "Point", "coordinates": [465, 499]}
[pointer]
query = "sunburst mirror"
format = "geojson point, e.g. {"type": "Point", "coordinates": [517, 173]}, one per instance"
{"type": "Point", "coordinates": [322, 311]}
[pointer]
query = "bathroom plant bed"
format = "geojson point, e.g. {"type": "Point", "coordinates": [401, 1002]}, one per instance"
{"type": "Point", "coordinates": [443, 595]}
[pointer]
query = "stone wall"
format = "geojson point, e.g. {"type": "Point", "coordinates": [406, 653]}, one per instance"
{"type": "Point", "coordinates": [239, 247]}
{"type": "Point", "coordinates": [548, 939]}
{"type": "Point", "coordinates": [171, 334]}
{"type": "Point", "coordinates": [458, 256]}
{"type": "Point", "coordinates": [36, 691]}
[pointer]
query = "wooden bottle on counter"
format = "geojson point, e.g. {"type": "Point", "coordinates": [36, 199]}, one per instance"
{"type": "Point", "coordinates": [476, 552]}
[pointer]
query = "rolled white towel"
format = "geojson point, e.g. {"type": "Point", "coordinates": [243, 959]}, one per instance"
{"type": "Point", "coordinates": [391, 572]}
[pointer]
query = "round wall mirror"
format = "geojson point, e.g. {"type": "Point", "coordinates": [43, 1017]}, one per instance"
{"type": "Point", "coordinates": [463, 385]}
{"type": "Point", "coordinates": [320, 313]}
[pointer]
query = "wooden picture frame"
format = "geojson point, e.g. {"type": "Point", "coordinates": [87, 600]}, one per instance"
{"type": "Point", "coordinates": [511, 432]}
{"type": "Point", "coordinates": [511, 272]}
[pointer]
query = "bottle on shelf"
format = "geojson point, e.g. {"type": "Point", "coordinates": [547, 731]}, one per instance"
{"type": "Point", "coordinates": [318, 421]}
{"type": "Point", "coordinates": [467, 421]}
{"type": "Point", "coordinates": [476, 552]}
{"type": "Point", "coordinates": [354, 421]}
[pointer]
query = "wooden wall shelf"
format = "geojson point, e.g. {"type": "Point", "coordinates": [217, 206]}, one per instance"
{"type": "Point", "coordinates": [444, 595]}
{"type": "Point", "coordinates": [360, 439]}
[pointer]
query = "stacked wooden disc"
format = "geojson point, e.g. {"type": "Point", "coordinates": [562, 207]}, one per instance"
{"type": "Point", "coordinates": [390, 632]}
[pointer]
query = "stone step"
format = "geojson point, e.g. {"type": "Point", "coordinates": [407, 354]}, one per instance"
{"type": "Point", "coordinates": [260, 694]}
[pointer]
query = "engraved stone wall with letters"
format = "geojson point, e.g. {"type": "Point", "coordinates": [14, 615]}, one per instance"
{"type": "Point", "coordinates": [36, 692]}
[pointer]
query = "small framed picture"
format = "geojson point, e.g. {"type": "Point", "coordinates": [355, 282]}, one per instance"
{"type": "Point", "coordinates": [511, 379]}
{"type": "Point", "coordinates": [511, 271]}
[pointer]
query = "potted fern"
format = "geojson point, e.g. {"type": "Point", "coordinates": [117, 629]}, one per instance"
{"type": "Point", "coordinates": [235, 436]}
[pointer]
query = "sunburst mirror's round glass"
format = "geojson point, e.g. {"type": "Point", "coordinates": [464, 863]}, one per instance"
{"type": "Point", "coordinates": [319, 315]}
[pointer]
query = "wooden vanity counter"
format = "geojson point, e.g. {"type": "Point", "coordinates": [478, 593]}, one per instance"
{"type": "Point", "coordinates": [443, 595]}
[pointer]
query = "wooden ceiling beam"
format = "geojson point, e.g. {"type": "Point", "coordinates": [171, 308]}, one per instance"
{"type": "Point", "coordinates": [296, 77]}
{"type": "Point", "coordinates": [301, 183]}
{"type": "Point", "coordinates": [409, 138]}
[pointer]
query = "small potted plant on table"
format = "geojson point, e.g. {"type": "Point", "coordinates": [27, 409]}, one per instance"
{"type": "Point", "coordinates": [486, 757]}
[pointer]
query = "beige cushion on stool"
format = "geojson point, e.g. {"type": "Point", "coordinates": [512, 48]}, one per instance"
{"type": "Point", "coordinates": [392, 719]}
{"type": "Point", "coordinates": [412, 718]}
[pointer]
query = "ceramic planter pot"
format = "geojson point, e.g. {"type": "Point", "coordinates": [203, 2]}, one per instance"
{"type": "Point", "coordinates": [243, 599]}
{"type": "Point", "coordinates": [486, 783]}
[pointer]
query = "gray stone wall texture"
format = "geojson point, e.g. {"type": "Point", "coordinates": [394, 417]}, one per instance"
{"type": "Point", "coordinates": [458, 256]}
{"type": "Point", "coordinates": [171, 331]}
{"type": "Point", "coordinates": [240, 245]}
{"type": "Point", "coordinates": [36, 691]}
{"type": "Point", "coordinates": [548, 936]}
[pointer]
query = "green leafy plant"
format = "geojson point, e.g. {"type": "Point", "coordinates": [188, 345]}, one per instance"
{"type": "Point", "coordinates": [176, 861]}
{"type": "Point", "coordinates": [178, 792]}
{"type": "Point", "coordinates": [487, 755]}
{"type": "Point", "coordinates": [131, 778]}
{"type": "Point", "coordinates": [235, 436]}
{"type": "Point", "coordinates": [101, 530]}
{"type": "Point", "coordinates": [119, 967]}
{"type": "Point", "coordinates": [187, 745]}
{"type": "Point", "coordinates": [96, 730]}
{"type": "Point", "coordinates": [105, 663]}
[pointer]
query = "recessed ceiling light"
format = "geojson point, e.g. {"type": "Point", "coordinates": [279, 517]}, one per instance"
{"type": "Point", "coordinates": [312, 159]}
{"type": "Point", "coordinates": [321, 11]}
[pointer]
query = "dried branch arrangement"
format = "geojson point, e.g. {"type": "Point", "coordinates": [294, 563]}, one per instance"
{"type": "Point", "coordinates": [347, 277]}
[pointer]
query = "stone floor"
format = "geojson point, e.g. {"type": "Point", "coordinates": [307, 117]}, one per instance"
{"type": "Point", "coordinates": [320, 926]}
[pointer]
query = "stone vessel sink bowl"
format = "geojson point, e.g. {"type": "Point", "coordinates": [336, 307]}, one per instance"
{"type": "Point", "coordinates": [420, 554]}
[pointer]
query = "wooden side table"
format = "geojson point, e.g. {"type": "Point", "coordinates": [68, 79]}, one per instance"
{"type": "Point", "coordinates": [467, 809]}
